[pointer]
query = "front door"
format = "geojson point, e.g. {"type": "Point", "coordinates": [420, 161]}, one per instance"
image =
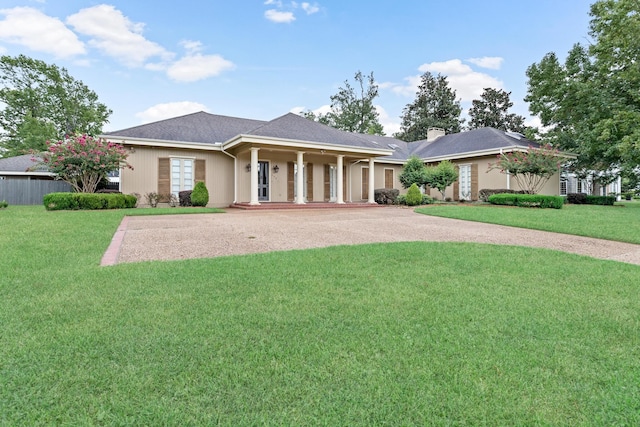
{"type": "Point", "coordinates": [263, 181]}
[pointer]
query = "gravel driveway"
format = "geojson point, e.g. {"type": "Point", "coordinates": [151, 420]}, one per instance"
{"type": "Point", "coordinates": [173, 237]}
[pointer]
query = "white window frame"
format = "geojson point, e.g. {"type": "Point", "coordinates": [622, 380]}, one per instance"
{"type": "Point", "coordinates": [460, 182]}
{"type": "Point", "coordinates": [181, 182]}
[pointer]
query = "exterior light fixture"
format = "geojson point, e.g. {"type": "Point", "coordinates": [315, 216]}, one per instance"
{"type": "Point", "coordinates": [248, 167]}
{"type": "Point", "coordinates": [276, 169]}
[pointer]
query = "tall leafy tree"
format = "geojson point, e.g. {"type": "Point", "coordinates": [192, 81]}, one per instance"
{"type": "Point", "coordinates": [43, 102]}
{"type": "Point", "coordinates": [352, 108]}
{"type": "Point", "coordinates": [435, 106]}
{"type": "Point", "coordinates": [492, 110]}
{"type": "Point", "coordinates": [591, 102]}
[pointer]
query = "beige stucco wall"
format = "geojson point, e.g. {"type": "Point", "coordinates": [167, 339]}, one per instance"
{"type": "Point", "coordinates": [494, 179]}
{"type": "Point", "coordinates": [144, 177]}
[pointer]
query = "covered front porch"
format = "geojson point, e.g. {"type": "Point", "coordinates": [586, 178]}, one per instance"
{"type": "Point", "coordinates": [281, 175]}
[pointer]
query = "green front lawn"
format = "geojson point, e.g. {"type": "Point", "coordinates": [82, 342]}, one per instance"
{"type": "Point", "coordinates": [620, 222]}
{"type": "Point", "coordinates": [384, 334]}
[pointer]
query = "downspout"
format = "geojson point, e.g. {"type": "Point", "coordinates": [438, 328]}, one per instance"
{"type": "Point", "coordinates": [235, 174]}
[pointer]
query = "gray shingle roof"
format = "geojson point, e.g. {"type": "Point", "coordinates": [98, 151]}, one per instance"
{"type": "Point", "coordinates": [22, 163]}
{"type": "Point", "coordinates": [211, 128]}
{"type": "Point", "coordinates": [293, 126]}
{"type": "Point", "coordinates": [483, 139]}
{"type": "Point", "coordinates": [197, 127]}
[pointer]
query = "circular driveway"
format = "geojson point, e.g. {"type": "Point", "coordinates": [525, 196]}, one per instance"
{"type": "Point", "coordinates": [174, 237]}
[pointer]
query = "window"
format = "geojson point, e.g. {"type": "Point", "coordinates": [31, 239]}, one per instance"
{"type": "Point", "coordinates": [181, 175]}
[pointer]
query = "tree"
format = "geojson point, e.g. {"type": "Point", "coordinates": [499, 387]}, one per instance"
{"type": "Point", "coordinates": [441, 176]}
{"type": "Point", "coordinates": [530, 169]}
{"type": "Point", "coordinates": [592, 102]}
{"type": "Point", "coordinates": [492, 110]}
{"type": "Point", "coordinates": [413, 172]}
{"type": "Point", "coordinates": [43, 102]}
{"type": "Point", "coordinates": [352, 109]}
{"type": "Point", "coordinates": [435, 106]}
{"type": "Point", "coordinates": [83, 161]}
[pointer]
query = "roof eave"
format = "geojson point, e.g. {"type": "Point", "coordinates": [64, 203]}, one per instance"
{"type": "Point", "coordinates": [146, 142]}
{"type": "Point", "coordinates": [300, 144]}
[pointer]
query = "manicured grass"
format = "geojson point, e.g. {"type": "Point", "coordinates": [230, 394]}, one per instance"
{"type": "Point", "coordinates": [620, 222]}
{"type": "Point", "coordinates": [385, 334]}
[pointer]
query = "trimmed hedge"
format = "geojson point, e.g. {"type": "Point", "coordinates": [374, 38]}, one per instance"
{"type": "Point", "coordinates": [527, 200]}
{"type": "Point", "coordinates": [88, 201]}
{"type": "Point", "coordinates": [386, 196]}
{"type": "Point", "coordinates": [587, 199]}
{"type": "Point", "coordinates": [485, 193]}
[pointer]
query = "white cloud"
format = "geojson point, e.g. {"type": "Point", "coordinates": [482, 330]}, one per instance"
{"type": "Point", "coordinates": [115, 35]}
{"type": "Point", "coordinates": [33, 29]}
{"type": "Point", "coordinates": [276, 3]}
{"type": "Point", "coordinates": [468, 84]}
{"type": "Point", "coordinates": [279, 17]}
{"type": "Point", "coordinates": [194, 67]}
{"type": "Point", "coordinates": [490, 62]}
{"type": "Point", "coordinates": [324, 109]}
{"type": "Point", "coordinates": [169, 110]}
{"type": "Point", "coordinates": [310, 8]}
{"type": "Point", "coordinates": [390, 126]}
{"type": "Point", "coordinates": [191, 46]}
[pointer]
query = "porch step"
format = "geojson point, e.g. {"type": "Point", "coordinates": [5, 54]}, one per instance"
{"type": "Point", "coordinates": [309, 205]}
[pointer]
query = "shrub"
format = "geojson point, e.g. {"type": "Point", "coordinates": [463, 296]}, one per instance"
{"type": "Point", "coordinates": [587, 199]}
{"type": "Point", "coordinates": [413, 197]}
{"type": "Point", "coordinates": [426, 199]}
{"type": "Point", "coordinates": [185, 197]}
{"type": "Point", "coordinates": [386, 196]}
{"type": "Point", "coordinates": [577, 198]}
{"type": "Point", "coordinates": [3, 204]}
{"type": "Point", "coordinates": [87, 201]}
{"type": "Point", "coordinates": [173, 200]}
{"type": "Point", "coordinates": [485, 193]}
{"type": "Point", "coordinates": [601, 200]}
{"type": "Point", "coordinates": [152, 199]}
{"type": "Point", "coordinates": [527, 200]}
{"type": "Point", "coordinates": [200, 195]}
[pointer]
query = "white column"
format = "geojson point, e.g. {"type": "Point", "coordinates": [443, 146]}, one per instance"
{"type": "Point", "coordinates": [300, 179]}
{"type": "Point", "coordinates": [254, 176]}
{"type": "Point", "coordinates": [372, 181]}
{"type": "Point", "coordinates": [340, 183]}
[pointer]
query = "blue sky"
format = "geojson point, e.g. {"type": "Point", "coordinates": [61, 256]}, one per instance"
{"type": "Point", "coordinates": [150, 60]}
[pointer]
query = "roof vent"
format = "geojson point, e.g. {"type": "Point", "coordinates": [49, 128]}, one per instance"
{"type": "Point", "coordinates": [393, 146]}
{"type": "Point", "coordinates": [515, 135]}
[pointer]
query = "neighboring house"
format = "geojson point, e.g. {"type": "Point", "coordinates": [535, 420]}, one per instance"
{"type": "Point", "coordinates": [245, 161]}
{"type": "Point", "coordinates": [24, 182]}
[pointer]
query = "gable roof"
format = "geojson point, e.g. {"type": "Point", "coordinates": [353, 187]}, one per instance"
{"type": "Point", "coordinates": [198, 127]}
{"type": "Point", "coordinates": [484, 140]}
{"type": "Point", "coordinates": [294, 127]}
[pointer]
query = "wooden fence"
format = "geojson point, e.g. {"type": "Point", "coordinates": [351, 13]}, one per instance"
{"type": "Point", "coordinates": [29, 191]}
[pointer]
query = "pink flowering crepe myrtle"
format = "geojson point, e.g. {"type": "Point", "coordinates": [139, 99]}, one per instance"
{"type": "Point", "coordinates": [531, 169]}
{"type": "Point", "coordinates": [83, 160]}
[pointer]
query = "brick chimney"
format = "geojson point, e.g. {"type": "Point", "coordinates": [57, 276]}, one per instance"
{"type": "Point", "coordinates": [434, 133]}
